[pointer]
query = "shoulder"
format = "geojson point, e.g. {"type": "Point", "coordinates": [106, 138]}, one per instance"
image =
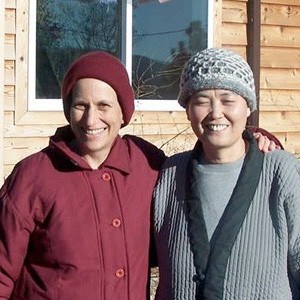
{"type": "Point", "coordinates": [31, 162]}
{"type": "Point", "coordinates": [280, 159]}
{"type": "Point", "coordinates": [153, 154]}
{"type": "Point", "coordinates": [24, 183]}
{"type": "Point", "coordinates": [177, 160]}
{"type": "Point", "coordinates": [284, 168]}
{"type": "Point", "coordinates": [175, 167]}
{"type": "Point", "coordinates": [27, 169]}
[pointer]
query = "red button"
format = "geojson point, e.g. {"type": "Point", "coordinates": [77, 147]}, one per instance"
{"type": "Point", "coordinates": [120, 273]}
{"type": "Point", "coordinates": [116, 223]}
{"type": "Point", "coordinates": [106, 177]}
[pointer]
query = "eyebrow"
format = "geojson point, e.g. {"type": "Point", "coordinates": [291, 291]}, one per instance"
{"type": "Point", "coordinates": [204, 94]}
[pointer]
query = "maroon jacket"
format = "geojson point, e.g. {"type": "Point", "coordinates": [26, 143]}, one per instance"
{"type": "Point", "coordinates": [69, 232]}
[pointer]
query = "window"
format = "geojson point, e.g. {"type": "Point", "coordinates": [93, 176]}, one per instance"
{"type": "Point", "coordinates": [153, 38]}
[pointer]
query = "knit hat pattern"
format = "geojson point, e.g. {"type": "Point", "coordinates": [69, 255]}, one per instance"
{"type": "Point", "coordinates": [105, 67]}
{"type": "Point", "coordinates": [217, 68]}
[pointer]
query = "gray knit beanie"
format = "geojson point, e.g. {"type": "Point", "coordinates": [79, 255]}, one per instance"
{"type": "Point", "coordinates": [216, 68]}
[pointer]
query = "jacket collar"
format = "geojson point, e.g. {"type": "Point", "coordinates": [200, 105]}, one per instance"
{"type": "Point", "coordinates": [117, 159]}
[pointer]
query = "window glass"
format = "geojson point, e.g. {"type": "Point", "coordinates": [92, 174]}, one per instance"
{"type": "Point", "coordinates": [165, 34]}
{"type": "Point", "coordinates": [67, 29]}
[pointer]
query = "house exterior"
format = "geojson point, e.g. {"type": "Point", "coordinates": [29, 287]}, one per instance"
{"type": "Point", "coordinates": [267, 32]}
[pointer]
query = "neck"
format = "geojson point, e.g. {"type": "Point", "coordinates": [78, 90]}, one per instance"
{"type": "Point", "coordinates": [94, 160]}
{"type": "Point", "coordinates": [225, 155]}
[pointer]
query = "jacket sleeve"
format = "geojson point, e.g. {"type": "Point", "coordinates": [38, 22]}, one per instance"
{"type": "Point", "coordinates": [266, 133]}
{"type": "Point", "coordinates": [14, 236]}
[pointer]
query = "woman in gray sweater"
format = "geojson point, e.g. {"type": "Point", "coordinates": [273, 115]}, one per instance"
{"type": "Point", "coordinates": [226, 216]}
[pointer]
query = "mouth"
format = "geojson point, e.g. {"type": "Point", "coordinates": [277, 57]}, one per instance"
{"type": "Point", "coordinates": [93, 131]}
{"type": "Point", "coordinates": [216, 127]}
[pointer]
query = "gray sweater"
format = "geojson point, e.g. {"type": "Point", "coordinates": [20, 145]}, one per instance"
{"type": "Point", "coordinates": [263, 256]}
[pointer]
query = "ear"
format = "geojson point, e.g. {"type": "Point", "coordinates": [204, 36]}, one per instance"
{"type": "Point", "coordinates": [187, 113]}
{"type": "Point", "coordinates": [248, 112]}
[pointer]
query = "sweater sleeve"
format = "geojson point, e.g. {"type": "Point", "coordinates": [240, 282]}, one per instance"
{"type": "Point", "coordinates": [291, 183]}
{"type": "Point", "coordinates": [14, 237]}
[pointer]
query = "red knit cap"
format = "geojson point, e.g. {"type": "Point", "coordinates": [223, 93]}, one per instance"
{"type": "Point", "coordinates": [105, 67]}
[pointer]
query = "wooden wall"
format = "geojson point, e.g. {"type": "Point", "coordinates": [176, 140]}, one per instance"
{"type": "Point", "coordinates": [279, 110]}
{"type": "Point", "coordinates": [2, 18]}
{"type": "Point", "coordinates": [27, 132]}
{"type": "Point", "coordinates": [280, 71]}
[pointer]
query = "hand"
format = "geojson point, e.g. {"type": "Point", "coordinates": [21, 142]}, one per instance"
{"type": "Point", "coordinates": [264, 144]}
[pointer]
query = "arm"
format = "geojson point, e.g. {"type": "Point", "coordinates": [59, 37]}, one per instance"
{"type": "Point", "coordinates": [14, 237]}
{"type": "Point", "coordinates": [292, 212]}
{"type": "Point", "coordinates": [266, 141]}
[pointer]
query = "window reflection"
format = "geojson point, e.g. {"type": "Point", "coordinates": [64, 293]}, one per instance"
{"type": "Point", "coordinates": [67, 29]}
{"type": "Point", "coordinates": [165, 35]}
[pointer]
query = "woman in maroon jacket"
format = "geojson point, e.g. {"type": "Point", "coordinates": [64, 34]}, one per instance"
{"type": "Point", "coordinates": [75, 217]}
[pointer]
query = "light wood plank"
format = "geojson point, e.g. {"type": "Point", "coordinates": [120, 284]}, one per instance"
{"type": "Point", "coordinates": [273, 57]}
{"type": "Point", "coordinates": [280, 15]}
{"type": "Point", "coordinates": [234, 34]}
{"type": "Point", "coordinates": [10, 21]}
{"type": "Point", "coordinates": [10, 3]}
{"type": "Point", "coordinates": [7, 170]}
{"type": "Point", "coordinates": [280, 79]}
{"type": "Point", "coordinates": [9, 98]}
{"type": "Point", "coordinates": [155, 128]}
{"type": "Point", "coordinates": [283, 2]}
{"type": "Point", "coordinates": [277, 121]}
{"type": "Point", "coordinates": [234, 12]}
{"type": "Point", "coordinates": [2, 72]}
{"type": "Point", "coordinates": [8, 118]}
{"type": "Point", "coordinates": [279, 100]}
{"type": "Point", "coordinates": [15, 149]}
{"type": "Point", "coordinates": [280, 36]}
{"type": "Point", "coordinates": [26, 131]}
{"type": "Point", "coordinates": [40, 117]}
{"type": "Point", "coordinates": [293, 143]}
{"type": "Point", "coordinates": [217, 24]}
{"type": "Point", "coordinates": [9, 44]}
{"type": "Point", "coordinates": [9, 72]}
{"type": "Point", "coordinates": [241, 49]}
{"type": "Point", "coordinates": [172, 144]}
{"type": "Point", "coordinates": [140, 117]}
{"type": "Point", "coordinates": [57, 118]}
{"type": "Point", "coordinates": [290, 141]}
{"type": "Point", "coordinates": [22, 45]}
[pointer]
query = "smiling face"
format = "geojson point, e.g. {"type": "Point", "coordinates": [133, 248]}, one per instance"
{"type": "Point", "coordinates": [95, 118]}
{"type": "Point", "coordinates": [218, 118]}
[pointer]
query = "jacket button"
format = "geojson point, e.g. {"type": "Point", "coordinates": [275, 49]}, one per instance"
{"type": "Point", "coordinates": [120, 273]}
{"type": "Point", "coordinates": [106, 177]}
{"type": "Point", "coordinates": [116, 223]}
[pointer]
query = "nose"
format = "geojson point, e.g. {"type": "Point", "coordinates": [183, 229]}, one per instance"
{"type": "Point", "coordinates": [215, 110]}
{"type": "Point", "coordinates": [91, 116]}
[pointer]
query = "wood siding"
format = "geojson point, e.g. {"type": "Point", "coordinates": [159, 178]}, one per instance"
{"type": "Point", "coordinates": [279, 112]}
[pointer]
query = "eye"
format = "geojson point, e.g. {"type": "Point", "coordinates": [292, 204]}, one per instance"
{"type": "Point", "coordinates": [79, 106]}
{"type": "Point", "coordinates": [103, 105]}
{"type": "Point", "coordinates": [228, 100]}
{"type": "Point", "coordinates": [201, 102]}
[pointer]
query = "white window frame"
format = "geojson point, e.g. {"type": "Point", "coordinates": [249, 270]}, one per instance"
{"type": "Point", "coordinates": [35, 104]}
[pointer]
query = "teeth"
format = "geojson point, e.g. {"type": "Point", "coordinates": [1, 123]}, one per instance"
{"type": "Point", "coordinates": [94, 131]}
{"type": "Point", "coordinates": [216, 127]}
